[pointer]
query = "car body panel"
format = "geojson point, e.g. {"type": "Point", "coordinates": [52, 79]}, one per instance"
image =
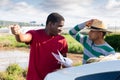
{"type": "Point", "coordinates": [76, 72]}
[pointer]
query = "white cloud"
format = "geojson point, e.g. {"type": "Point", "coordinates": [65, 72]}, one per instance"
{"type": "Point", "coordinates": [4, 2]}
{"type": "Point", "coordinates": [113, 4]}
{"type": "Point", "coordinates": [63, 5]}
{"type": "Point", "coordinates": [74, 11]}
{"type": "Point", "coordinates": [22, 11]}
{"type": "Point", "coordinates": [113, 8]}
{"type": "Point", "coordinates": [23, 8]}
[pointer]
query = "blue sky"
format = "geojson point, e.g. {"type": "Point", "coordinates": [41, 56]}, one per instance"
{"type": "Point", "coordinates": [74, 11]}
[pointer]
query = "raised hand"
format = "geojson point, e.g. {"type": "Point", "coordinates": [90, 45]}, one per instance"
{"type": "Point", "coordinates": [15, 29]}
{"type": "Point", "coordinates": [90, 22]}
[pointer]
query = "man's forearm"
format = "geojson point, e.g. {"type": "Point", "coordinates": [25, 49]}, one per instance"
{"type": "Point", "coordinates": [76, 29]}
{"type": "Point", "coordinates": [19, 37]}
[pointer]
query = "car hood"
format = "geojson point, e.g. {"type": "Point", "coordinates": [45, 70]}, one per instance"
{"type": "Point", "coordinates": [72, 73]}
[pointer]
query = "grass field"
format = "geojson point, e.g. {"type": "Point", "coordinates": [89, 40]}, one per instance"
{"type": "Point", "coordinates": [7, 40]}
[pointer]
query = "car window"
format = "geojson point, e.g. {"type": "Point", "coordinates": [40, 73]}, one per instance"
{"type": "Point", "coordinates": [101, 76]}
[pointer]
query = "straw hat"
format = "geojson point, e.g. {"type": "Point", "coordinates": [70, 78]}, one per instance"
{"type": "Point", "coordinates": [98, 25]}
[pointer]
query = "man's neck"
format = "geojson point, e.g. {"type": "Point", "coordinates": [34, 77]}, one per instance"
{"type": "Point", "coordinates": [47, 31]}
{"type": "Point", "coordinates": [98, 42]}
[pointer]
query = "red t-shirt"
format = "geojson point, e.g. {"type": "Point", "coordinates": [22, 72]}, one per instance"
{"type": "Point", "coordinates": [41, 60]}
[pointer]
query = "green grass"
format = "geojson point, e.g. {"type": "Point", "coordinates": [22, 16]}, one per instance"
{"type": "Point", "coordinates": [10, 41]}
{"type": "Point", "coordinates": [13, 72]}
{"type": "Point", "coordinates": [73, 45]}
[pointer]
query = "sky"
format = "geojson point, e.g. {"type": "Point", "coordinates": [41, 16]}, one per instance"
{"type": "Point", "coordinates": [74, 11]}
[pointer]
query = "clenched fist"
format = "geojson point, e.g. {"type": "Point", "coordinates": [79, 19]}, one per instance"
{"type": "Point", "coordinates": [90, 22]}
{"type": "Point", "coordinates": [15, 29]}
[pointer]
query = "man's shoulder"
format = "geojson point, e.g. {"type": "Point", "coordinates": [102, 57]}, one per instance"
{"type": "Point", "coordinates": [38, 30]}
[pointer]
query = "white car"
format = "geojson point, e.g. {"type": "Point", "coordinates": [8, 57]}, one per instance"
{"type": "Point", "coordinates": [108, 70]}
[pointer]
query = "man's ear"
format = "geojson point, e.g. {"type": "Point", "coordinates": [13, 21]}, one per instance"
{"type": "Point", "coordinates": [101, 33]}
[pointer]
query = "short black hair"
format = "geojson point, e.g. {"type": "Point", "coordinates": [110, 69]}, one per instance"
{"type": "Point", "coordinates": [54, 17]}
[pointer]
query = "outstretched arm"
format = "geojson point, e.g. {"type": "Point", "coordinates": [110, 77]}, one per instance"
{"type": "Point", "coordinates": [20, 37]}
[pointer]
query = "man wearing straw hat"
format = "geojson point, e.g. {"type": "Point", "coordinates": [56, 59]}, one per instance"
{"type": "Point", "coordinates": [94, 43]}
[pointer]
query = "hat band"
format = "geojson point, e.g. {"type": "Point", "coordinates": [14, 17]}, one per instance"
{"type": "Point", "coordinates": [92, 27]}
